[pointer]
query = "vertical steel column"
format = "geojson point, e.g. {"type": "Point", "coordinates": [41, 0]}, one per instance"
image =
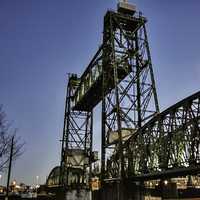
{"type": "Point", "coordinates": [151, 70]}
{"type": "Point", "coordinates": [65, 134]}
{"type": "Point", "coordinates": [139, 117]}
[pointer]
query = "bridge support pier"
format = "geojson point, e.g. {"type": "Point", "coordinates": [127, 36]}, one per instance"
{"type": "Point", "coordinates": [120, 191]}
{"type": "Point", "coordinates": [136, 191]}
{"type": "Point", "coordinates": [168, 190]}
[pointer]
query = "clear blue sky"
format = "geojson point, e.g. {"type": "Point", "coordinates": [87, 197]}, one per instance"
{"type": "Point", "coordinates": [41, 41]}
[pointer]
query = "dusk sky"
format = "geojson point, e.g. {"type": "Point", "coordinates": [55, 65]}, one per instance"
{"type": "Point", "coordinates": [43, 40]}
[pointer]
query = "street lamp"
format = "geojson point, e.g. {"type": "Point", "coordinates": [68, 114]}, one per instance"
{"type": "Point", "coordinates": [37, 178]}
{"type": "Point", "coordinates": [37, 183]}
{"type": "Point", "coordinates": [1, 188]}
{"type": "Point", "coordinates": [0, 178]}
{"type": "Point", "coordinates": [14, 182]}
{"type": "Point", "coordinates": [165, 182]}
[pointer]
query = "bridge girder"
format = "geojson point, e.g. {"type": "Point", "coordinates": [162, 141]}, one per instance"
{"type": "Point", "coordinates": [167, 145]}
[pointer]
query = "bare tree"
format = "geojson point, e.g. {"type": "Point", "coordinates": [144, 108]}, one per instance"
{"type": "Point", "coordinates": [6, 134]}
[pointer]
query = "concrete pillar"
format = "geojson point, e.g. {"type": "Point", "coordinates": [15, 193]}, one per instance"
{"type": "Point", "coordinates": [134, 191]}
{"type": "Point", "coordinates": [168, 189]}
{"type": "Point", "coordinates": [121, 191]}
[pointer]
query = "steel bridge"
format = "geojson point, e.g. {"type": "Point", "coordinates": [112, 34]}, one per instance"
{"type": "Point", "coordinates": [138, 141]}
{"type": "Point", "coordinates": [168, 145]}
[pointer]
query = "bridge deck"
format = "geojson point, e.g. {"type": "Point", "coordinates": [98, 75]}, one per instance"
{"type": "Point", "coordinates": [171, 173]}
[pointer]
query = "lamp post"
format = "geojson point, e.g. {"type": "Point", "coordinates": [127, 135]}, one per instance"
{"type": "Point", "coordinates": [37, 178]}
{"type": "Point", "coordinates": [37, 183]}
{"type": "Point", "coordinates": [14, 183]}
{"type": "Point", "coordinates": [0, 178]}
{"type": "Point", "coordinates": [1, 188]}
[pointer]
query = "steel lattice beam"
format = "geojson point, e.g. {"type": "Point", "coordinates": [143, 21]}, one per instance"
{"type": "Point", "coordinates": [168, 144]}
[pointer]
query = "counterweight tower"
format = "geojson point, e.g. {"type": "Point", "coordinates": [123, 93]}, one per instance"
{"type": "Point", "coordinates": [129, 97]}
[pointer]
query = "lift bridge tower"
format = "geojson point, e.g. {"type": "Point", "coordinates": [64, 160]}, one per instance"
{"type": "Point", "coordinates": [120, 76]}
{"type": "Point", "coordinates": [76, 154]}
